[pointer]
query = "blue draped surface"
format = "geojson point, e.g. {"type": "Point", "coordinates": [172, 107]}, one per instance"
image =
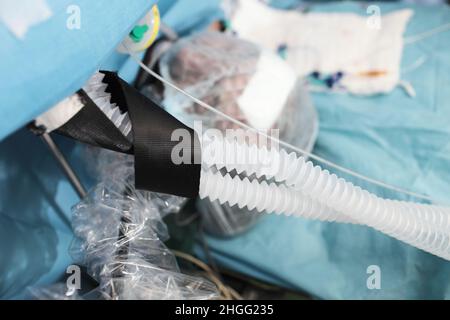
{"type": "Point", "coordinates": [53, 61]}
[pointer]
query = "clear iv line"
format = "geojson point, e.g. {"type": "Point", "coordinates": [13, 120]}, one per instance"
{"type": "Point", "coordinates": [426, 34]}
{"type": "Point", "coordinates": [285, 144]}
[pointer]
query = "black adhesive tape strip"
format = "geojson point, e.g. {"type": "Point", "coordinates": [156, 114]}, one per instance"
{"type": "Point", "coordinates": [90, 125]}
{"type": "Point", "coordinates": [154, 147]}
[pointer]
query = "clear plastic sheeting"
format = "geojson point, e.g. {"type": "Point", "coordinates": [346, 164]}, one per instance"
{"type": "Point", "coordinates": [215, 68]}
{"type": "Point", "coordinates": [119, 239]}
{"type": "Point", "coordinates": [231, 74]}
{"type": "Point", "coordinates": [120, 234]}
{"type": "Point", "coordinates": [117, 171]}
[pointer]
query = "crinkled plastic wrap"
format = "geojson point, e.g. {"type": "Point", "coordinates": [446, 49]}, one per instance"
{"type": "Point", "coordinates": [119, 239]}
{"type": "Point", "coordinates": [242, 80]}
{"type": "Point", "coordinates": [214, 68]}
{"type": "Point", "coordinates": [229, 73]}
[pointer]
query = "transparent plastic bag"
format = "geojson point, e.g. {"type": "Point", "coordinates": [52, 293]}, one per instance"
{"type": "Point", "coordinates": [116, 170]}
{"type": "Point", "coordinates": [213, 67]}
{"type": "Point", "coordinates": [119, 238]}
{"type": "Point", "coordinates": [111, 225]}
{"type": "Point", "coordinates": [237, 77]}
{"type": "Point", "coordinates": [139, 280]}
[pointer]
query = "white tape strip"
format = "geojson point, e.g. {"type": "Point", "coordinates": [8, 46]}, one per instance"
{"type": "Point", "coordinates": [268, 90]}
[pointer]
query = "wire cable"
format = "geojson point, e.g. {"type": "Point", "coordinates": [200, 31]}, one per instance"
{"type": "Point", "coordinates": [426, 34]}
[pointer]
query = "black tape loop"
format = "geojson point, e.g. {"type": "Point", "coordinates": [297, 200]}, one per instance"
{"type": "Point", "coordinates": [153, 144]}
{"type": "Point", "coordinates": [157, 138]}
{"type": "Point", "coordinates": [90, 125]}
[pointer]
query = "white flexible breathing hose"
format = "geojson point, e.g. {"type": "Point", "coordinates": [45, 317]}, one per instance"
{"type": "Point", "coordinates": [309, 191]}
{"type": "Point", "coordinates": [312, 192]}
{"type": "Point", "coordinates": [424, 226]}
{"type": "Point", "coordinates": [263, 197]}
